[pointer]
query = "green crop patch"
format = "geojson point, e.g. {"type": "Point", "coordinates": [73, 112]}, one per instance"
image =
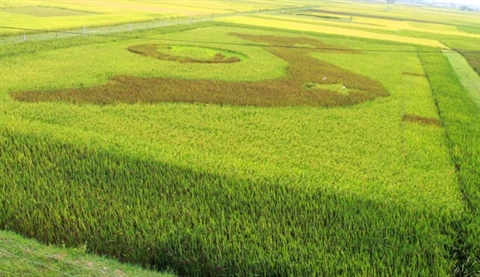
{"type": "Point", "coordinates": [473, 58]}
{"type": "Point", "coordinates": [290, 91]}
{"type": "Point", "coordinates": [39, 11]}
{"type": "Point", "coordinates": [421, 120]}
{"type": "Point", "coordinates": [469, 29]}
{"type": "Point", "coordinates": [187, 53]}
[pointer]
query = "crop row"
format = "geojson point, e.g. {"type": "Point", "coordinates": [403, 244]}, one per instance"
{"type": "Point", "coordinates": [460, 114]}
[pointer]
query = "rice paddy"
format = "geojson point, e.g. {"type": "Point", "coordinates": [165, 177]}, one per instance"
{"type": "Point", "coordinates": [293, 143]}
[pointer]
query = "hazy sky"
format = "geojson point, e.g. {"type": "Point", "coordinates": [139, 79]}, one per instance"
{"type": "Point", "coordinates": [471, 2]}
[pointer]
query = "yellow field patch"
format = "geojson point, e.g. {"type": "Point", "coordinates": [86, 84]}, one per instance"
{"type": "Point", "coordinates": [443, 15]}
{"type": "Point", "coordinates": [327, 16]}
{"type": "Point", "coordinates": [385, 24]}
{"type": "Point", "coordinates": [381, 24]}
{"type": "Point", "coordinates": [357, 22]}
{"type": "Point", "coordinates": [439, 29]}
{"type": "Point", "coordinates": [153, 8]}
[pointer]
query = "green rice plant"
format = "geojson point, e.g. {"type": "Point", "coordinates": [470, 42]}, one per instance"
{"type": "Point", "coordinates": [203, 224]}
{"type": "Point", "coordinates": [469, 29]}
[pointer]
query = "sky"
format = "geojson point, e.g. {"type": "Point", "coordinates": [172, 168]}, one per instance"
{"type": "Point", "coordinates": [473, 2]}
{"type": "Point", "coordinates": [460, 2]}
{"type": "Point", "coordinates": [470, 2]}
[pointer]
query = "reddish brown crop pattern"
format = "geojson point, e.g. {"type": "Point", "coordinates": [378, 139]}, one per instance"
{"type": "Point", "coordinates": [414, 74]}
{"type": "Point", "coordinates": [289, 91]}
{"type": "Point", "coordinates": [421, 120]}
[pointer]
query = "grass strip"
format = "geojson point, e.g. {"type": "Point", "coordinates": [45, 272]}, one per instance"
{"type": "Point", "coordinates": [26, 257]}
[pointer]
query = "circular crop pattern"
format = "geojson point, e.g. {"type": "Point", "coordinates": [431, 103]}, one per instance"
{"type": "Point", "coordinates": [187, 53]}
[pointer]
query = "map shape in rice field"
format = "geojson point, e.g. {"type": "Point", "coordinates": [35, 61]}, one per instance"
{"type": "Point", "coordinates": [308, 82]}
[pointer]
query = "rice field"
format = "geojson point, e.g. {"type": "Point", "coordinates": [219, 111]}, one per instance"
{"type": "Point", "coordinates": [280, 22]}
{"type": "Point", "coordinates": [293, 143]}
